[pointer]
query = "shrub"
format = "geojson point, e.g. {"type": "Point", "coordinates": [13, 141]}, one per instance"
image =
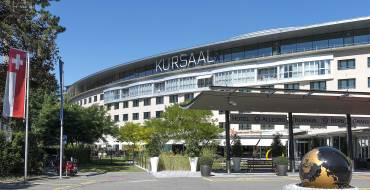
{"type": "Point", "coordinates": [277, 149]}
{"type": "Point", "coordinates": [154, 146]}
{"type": "Point", "coordinates": [81, 152]}
{"type": "Point", "coordinates": [281, 160]}
{"type": "Point", "coordinates": [192, 149]}
{"type": "Point", "coordinates": [237, 147]}
{"type": "Point", "coordinates": [207, 156]}
{"type": "Point", "coordinates": [169, 161]}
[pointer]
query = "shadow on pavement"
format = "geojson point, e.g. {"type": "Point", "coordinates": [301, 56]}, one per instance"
{"type": "Point", "coordinates": [16, 185]}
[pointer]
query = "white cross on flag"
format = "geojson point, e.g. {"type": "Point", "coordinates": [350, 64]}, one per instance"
{"type": "Point", "coordinates": [15, 88]}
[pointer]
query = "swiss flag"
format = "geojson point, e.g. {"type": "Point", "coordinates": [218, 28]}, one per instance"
{"type": "Point", "coordinates": [15, 88]}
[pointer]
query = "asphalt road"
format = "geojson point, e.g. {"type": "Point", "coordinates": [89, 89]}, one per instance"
{"type": "Point", "coordinates": [145, 181]}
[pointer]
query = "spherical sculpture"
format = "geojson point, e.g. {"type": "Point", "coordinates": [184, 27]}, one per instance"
{"type": "Point", "coordinates": [325, 167]}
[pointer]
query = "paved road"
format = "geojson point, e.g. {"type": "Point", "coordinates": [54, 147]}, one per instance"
{"type": "Point", "coordinates": [144, 181]}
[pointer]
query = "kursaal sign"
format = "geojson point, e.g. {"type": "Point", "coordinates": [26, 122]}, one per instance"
{"type": "Point", "coordinates": [183, 61]}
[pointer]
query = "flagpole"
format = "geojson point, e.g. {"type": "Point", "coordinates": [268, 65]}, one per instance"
{"type": "Point", "coordinates": [61, 73]}
{"type": "Point", "coordinates": [26, 118]}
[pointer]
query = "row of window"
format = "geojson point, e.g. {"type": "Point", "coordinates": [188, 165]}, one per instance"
{"type": "Point", "coordinates": [92, 99]}
{"type": "Point", "coordinates": [136, 116]}
{"type": "Point", "coordinates": [148, 101]}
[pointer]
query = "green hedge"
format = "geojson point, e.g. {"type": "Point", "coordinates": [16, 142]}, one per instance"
{"type": "Point", "coordinates": [81, 152]}
{"type": "Point", "coordinates": [169, 161]}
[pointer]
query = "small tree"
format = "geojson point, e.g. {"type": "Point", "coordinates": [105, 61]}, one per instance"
{"type": "Point", "coordinates": [277, 148]}
{"type": "Point", "coordinates": [132, 133]}
{"type": "Point", "coordinates": [237, 149]}
{"type": "Point", "coordinates": [154, 146]}
{"type": "Point", "coordinates": [192, 149]}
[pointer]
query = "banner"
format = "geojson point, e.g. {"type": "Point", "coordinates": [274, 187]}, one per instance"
{"type": "Point", "coordinates": [15, 88]}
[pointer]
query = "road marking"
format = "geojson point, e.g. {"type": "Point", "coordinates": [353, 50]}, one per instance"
{"type": "Point", "coordinates": [139, 181]}
{"type": "Point", "coordinates": [249, 179]}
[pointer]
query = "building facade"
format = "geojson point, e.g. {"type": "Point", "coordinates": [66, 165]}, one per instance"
{"type": "Point", "coordinates": [328, 56]}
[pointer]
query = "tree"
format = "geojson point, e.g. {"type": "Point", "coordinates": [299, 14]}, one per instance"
{"type": "Point", "coordinates": [237, 147]}
{"type": "Point", "coordinates": [277, 148]}
{"type": "Point", "coordinates": [133, 133]}
{"type": "Point", "coordinates": [81, 125]}
{"type": "Point", "coordinates": [190, 125]}
{"type": "Point", "coordinates": [30, 26]}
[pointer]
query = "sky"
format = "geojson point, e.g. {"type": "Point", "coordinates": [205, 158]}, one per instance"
{"type": "Point", "coordinates": [104, 33]}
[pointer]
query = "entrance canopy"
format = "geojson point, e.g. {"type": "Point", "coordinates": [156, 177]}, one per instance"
{"type": "Point", "coordinates": [282, 100]}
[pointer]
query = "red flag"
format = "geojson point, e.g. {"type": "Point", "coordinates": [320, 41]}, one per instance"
{"type": "Point", "coordinates": [15, 88]}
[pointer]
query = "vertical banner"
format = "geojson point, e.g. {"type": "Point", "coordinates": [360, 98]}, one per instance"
{"type": "Point", "coordinates": [15, 88]}
{"type": "Point", "coordinates": [61, 77]}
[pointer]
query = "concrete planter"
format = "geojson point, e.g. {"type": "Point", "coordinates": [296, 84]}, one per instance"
{"type": "Point", "coordinates": [281, 170]}
{"type": "Point", "coordinates": [236, 164]}
{"type": "Point", "coordinates": [193, 163]}
{"type": "Point", "coordinates": [205, 170]}
{"type": "Point", "coordinates": [154, 164]}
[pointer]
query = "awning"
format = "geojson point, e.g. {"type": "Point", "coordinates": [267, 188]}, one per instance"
{"type": "Point", "coordinates": [282, 100]}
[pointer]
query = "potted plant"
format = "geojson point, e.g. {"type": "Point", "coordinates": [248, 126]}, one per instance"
{"type": "Point", "coordinates": [206, 161]}
{"type": "Point", "coordinates": [277, 148]}
{"type": "Point", "coordinates": [281, 164]}
{"type": "Point", "coordinates": [192, 149]}
{"type": "Point", "coordinates": [236, 153]}
{"type": "Point", "coordinates": [153, 149]}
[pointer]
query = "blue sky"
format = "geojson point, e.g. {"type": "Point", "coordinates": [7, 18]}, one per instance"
{"type": "Point", "coordinates": [101, 34]}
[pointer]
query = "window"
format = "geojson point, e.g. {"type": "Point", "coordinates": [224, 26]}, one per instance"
{"type": "Point", "coordinates": [189, 96]}
{"type": "Point", "coordinates": [95, 98]}
{"type": "Point", "coordinates": [266, 74]}
{"type": "Point", "coordinates": [294, 86]}
{"type": "Point", "coordinates": [135, 116]}
{"type": "Point", "coordinates": [267, 127]}
{"type": "Point", "coordinates": [146, 115]}
{"type": "Point", "coordinates": [318, 85]}
{"type": "Point", "coordinates": [245, 126]}
{"type": "Point", "coordinates": [347, 84]}
{"type": "Point", "coordinates": [346, 64]}
{"type": "Point", "coordinates": [89, 100]}
{"type": "Point", "coordinates": [291, 70]}
{"type": "Point", "coordinates": [125, 104]}
{"type": "Point", "coordinates": [159, 87]}
{"type": "Point", "coordinates": [147, 101]}
{"type": "Point", "coordinates": [116, 118]}
{"type": "Point", "coordinates": [158, 114]}
{"type": "Point", "coordinates": [135, 103]}
{"type": "Point", "coordinates": [125, 117]}
{"type": "Point", "coordinates": [116, 106]}
{"type": "Point", "coordinates": [368, 82]}
{"type": "Point", "coordinates": [220, 112]}
{"type": "Point", "coordinates": [159, 100]}
{"type": "Point", "coordinates": [174, 98]}
{"type": "Point", "coordinates": [85, 101]}
{"type": "Point", "coordinates": [368, 62]}
{"type": "Point", "coordinates": [101, 97]}
{"type": "Point", "coordinates": [221, 125]}
{"type": "Point", "coordinates": [206, 82]}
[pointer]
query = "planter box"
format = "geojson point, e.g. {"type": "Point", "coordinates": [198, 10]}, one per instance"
{"type": "Point", "coordinates": [281, 170]}
{"type": "Point", "coordinates": [236, 164]}
{"type": "Point", "coordinates": [154, 164]}
{"type": "Point", "coordinates": [193, 163]}
{"type": "Point", "coordinates": [205, 170]}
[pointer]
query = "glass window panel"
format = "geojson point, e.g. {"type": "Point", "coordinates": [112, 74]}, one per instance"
{"type": "Point", "coordinates": [362, 39]}
{"type": "Point", "coordinates": [288, 48]}
{"type": "Point", "coordinates": [337, 42]}
{"type": "Point", "coordinates": [263, 52]}
{"type": "Point", "coordinates": [320, 44]}
{"type": "Point", "coordinates": [251, 53]}
{"type": "Point", "coordinates": [304, 46]}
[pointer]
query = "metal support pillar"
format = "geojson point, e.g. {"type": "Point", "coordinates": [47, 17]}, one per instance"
{"type": "Point", "coordinates": [350, 140]}
{"type": "Point", "coordinates": [227, 140]}
{"type": "Point", "coordinates": [291, 142]}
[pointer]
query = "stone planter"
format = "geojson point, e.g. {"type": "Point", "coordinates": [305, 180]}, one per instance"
{"type": "Point", "coordinates": [236, 164]}
{"type": "Point", "coordinates": [281, 170]}
{"type": "Point", "coordinates": [205, 170]}
{"type": "Point", "coordinates": [193, 163]}
{"type": "Point", "coordinates": [154, 164]}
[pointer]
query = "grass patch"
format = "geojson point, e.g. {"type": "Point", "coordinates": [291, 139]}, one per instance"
{"type": "Point", "coordinates": [108, 165]}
